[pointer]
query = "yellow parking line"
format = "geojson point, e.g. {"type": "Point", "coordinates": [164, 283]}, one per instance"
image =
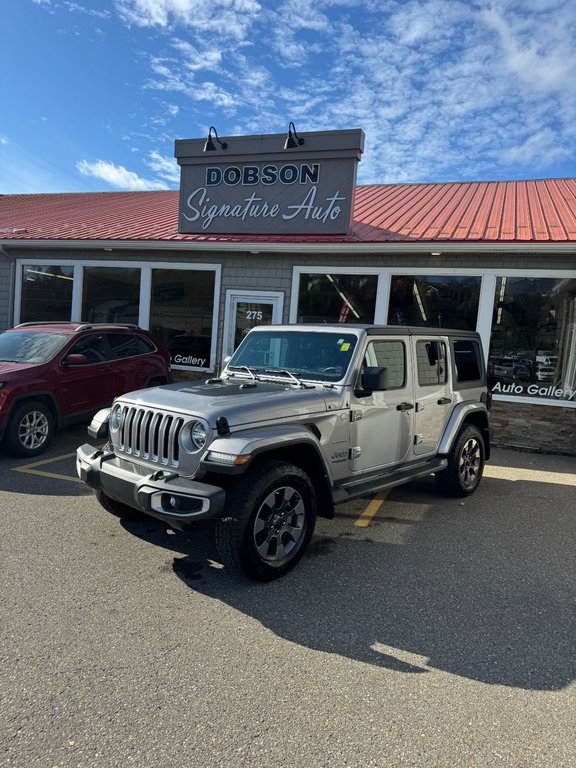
{"type": "Point", "coordinates": [30, 469]}
{"type": "Point", "coordinates": [366, 517]}
{"type": "Point", "coordinates": [47, 474]}
{"type": "Point", "coordinates": [529, 475]}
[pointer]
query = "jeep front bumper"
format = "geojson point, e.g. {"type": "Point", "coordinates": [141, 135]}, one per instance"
{"type": "Point", "coordinates": [162, 493]}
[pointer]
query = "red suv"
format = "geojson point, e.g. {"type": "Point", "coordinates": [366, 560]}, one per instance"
{"type": "Point", "coordinates": [54, 374]}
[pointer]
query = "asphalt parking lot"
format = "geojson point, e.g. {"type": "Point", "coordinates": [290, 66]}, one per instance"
{"type": "Point", "coordinates": [417, 631]}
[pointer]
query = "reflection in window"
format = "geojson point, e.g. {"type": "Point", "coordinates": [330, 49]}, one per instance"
{"type": "Point", "coordinates": [46, 293]}
{"type": "Point", "coordinates": [434, 301]}
{"type": "Point", "coordinates": [333, 298]}
{"type": "Point", "coordinates": [392, 356]}
{"type": "Point", "coordinates": [533, 349]}
{"type": "Point", "coordinates": [181, 314]}
{"type": "Point", "coordinates": [111, 295]}
{"type": "Point", "coordinates": [431, 363]}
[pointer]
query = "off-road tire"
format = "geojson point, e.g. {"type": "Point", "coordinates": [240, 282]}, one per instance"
{"type": "Point", "coordinates": [29, 430]}
{"type": "Point", "coordinates": [465, 464]}
{"type": "Point", "coordinates": [268, 521]}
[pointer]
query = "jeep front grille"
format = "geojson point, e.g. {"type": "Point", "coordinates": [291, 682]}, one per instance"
{"type": "Point", "coordinates": [150, 435]}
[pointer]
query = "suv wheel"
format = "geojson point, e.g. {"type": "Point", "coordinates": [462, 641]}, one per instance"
{"type": "Point", "coordinates": [268, 522]}
{"type": "Point", "coordinates": [30, 429]}
{"type": "Point", "coordinates": [116, 508]}
{"type": "Point", "coordinates": [465, 464]}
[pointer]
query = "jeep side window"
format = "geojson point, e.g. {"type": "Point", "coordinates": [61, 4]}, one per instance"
{"type": "Point", "coordinates": [390, 355]}
{"type": "Point", "coordinates": [431, 362]}
{"type": "Point", "coordinates": [467, 360]}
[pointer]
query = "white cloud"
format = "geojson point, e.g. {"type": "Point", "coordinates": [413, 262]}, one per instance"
{"type": "Point", "coordinates": [228, 18]}
{"type": "Point", "coordinates": [76, 8]}
{"type": "Point", "coordinates": [196, 59]}
{"type": "Point", "coordinates": [541, 54]}
{"type": "Point", "coordinates": [443, 88]}
{"type": "Point", "coordinates": [117, 176]}
{"type": "Point", "coordinates": [166, 167]}
{"type": "Point", "coordinates": [539, 148]}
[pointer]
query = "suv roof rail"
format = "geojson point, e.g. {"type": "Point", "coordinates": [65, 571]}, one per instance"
{"type": "Point", "coordinates": [85, 326]}
{"type": "Point", "coordinates": [78, 325]}
{"type": "Point", "coordinates": [44, 322]}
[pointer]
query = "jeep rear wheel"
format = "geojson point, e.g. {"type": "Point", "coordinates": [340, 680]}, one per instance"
{"type": "Point", "coordinates": [465, 464]}
{"type": "Point", "coordinates": [268, 522]}
{"type": "Point", "coordinates": [30, 429]}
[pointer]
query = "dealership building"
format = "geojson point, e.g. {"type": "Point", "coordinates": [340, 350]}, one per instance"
{"type": "Point", "coordinates": [274, 228]}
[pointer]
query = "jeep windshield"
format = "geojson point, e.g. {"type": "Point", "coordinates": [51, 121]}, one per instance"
{"type": "Point", "coordinates": [31, 347]}
{"type": "Point", "coordinates": [312, 355]}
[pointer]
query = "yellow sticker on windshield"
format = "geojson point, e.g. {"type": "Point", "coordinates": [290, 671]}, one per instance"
{"type": "Point", "coordinates": [345, 346]}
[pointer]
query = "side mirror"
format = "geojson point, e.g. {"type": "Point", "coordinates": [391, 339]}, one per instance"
{"type": "Point", "coordinates": [374, 379]}
{"type": "Point", "coordinates": [75, 359]}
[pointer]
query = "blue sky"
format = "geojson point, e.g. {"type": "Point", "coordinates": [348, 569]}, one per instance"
{"type": "Point", "coordinates": [94, 93]}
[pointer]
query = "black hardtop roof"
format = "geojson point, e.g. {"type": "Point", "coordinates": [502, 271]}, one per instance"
{"type": "Point", "coordinates": [377, 330]}
{"type": "Point", "coordinates": [372, 330]}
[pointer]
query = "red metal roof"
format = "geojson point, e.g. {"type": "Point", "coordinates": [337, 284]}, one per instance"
{"type": "Point", "coordinates": [543, 210]}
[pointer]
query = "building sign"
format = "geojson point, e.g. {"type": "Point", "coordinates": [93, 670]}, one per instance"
{"type": "Point", "coordinates": [256, 186]}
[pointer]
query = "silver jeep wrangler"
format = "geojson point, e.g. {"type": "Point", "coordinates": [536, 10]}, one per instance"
{"type": "Point", "coordinates": [303, 417]}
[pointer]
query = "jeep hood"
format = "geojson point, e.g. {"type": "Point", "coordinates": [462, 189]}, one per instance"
{"type": "Point", "coordinates": [241, 402]}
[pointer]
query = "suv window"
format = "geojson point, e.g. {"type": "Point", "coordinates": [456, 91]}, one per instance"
{"type": "Point", "coordinates": [129, 345]}
{"type": "Point", "coordinates": [94, 346]}
{"type": "Point", "coordinates": [467, 360]}
{"type": "Point", "coordinates": [431, 362]}
{"type": "Point", "coordinates": [29, 346]}
{"type": "Point", "coordinates": [390, 355]}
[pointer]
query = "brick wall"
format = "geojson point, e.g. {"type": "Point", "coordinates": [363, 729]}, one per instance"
{"type": "Point", "coordinates": [541, 428]}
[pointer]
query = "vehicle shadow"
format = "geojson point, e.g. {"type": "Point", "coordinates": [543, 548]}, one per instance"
{"type": "Point", "coordinates": [482, 589]}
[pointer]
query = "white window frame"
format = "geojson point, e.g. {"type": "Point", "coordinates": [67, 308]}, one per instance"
{"type": "Point", "coordinates": [276, 298]}
{"type": "Point", "coordinates": [488, 279]}
{"type": "Point", "coordinates": [145, 290]}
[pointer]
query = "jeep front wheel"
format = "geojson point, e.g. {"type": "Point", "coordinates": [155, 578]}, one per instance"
{"type": "Point", "coordinates": [268, 521]}
{"type": "Point", "coordinates": [29, 430]}
{"type": "Point", "coordinates": [465, 464]}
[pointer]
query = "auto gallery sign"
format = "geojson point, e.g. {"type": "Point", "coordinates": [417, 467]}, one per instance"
{"type": "Point", "coordinates": [259, 185]}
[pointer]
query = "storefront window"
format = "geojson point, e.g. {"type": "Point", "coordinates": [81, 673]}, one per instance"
{"type": "Point", "coordinates": [111, 295]}
{"type": "Point", "coordinates": [46, 293]}
{"type": "Point", "coordinates": [181, 314]}
{"type": "Point", "coordinates": [436, 301]}
{"type": "Point", "coordinates": [533, 345]}
{"type": "Point", "coordinates": [333, 298]}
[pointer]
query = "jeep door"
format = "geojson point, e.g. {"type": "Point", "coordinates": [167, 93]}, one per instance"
{"type": "Point", "coordinates": [433, 393]}
{"type": "Point", "coordinates": [381, 424]}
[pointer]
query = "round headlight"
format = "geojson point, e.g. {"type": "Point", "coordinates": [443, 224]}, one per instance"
{"type": "Point", "coordinates": [194, 437]}
{"type": "Point", "coordinates": [116, 417]}
{"type": "Point", "coordinates": [199, 434]}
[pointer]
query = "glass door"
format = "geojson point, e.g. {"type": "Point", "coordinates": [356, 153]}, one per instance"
{"type": "Point", "coordinates": [245, 310]}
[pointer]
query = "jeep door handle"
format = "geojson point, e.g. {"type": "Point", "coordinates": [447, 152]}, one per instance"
{"type": "Point", "coordinates": [444, 400]}
{"type": "Point", "coordinates": [405, 406]}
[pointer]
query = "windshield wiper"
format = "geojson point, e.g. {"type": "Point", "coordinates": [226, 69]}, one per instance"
{"type": "Point", "coordinates": [293, 376]}
{"type": "Point", "coordinates": [250, 371]}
